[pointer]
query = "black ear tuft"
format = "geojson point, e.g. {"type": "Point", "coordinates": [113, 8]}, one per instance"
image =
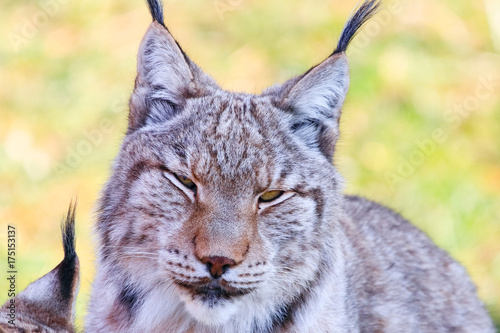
{"type": "Point", "coordinates": [156, 10]}
{"type": "Point", "coordinates": [363, 14]}
{"type": "Point", "coordinates": [68, 233]}
{"type": "Point", "coordinates": [68, 268]}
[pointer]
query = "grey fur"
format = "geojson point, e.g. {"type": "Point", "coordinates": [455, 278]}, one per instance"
{"type": "Point", "coordinates": [312, 260]}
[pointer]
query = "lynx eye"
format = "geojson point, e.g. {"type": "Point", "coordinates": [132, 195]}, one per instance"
{"type": "Point", "coordinates": [186, 181]}
{"type": "Point", "coordinates": [270, 196]}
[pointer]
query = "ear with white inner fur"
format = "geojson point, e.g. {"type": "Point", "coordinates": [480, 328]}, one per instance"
{"type": "Point", "coordinates": [316, 97]}
{"type": "Point", "coordinates": [166, 78]}
{"type": "Point", "coordinates": [316, 100]}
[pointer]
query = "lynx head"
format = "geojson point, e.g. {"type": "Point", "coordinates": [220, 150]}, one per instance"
{"type": "Point", "coordinates": [219, 200]}
{"type": "Point", "coordinates": [47, 305]}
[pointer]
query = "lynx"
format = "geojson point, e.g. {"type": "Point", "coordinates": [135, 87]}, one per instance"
{"type": "Point", "coordinates": [47, 305]}
{"type": "Point", "coordinates": [224, 213]}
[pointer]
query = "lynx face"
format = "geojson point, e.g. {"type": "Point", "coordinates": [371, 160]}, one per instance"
{"type": "Point", "coordinates": [218, 200]}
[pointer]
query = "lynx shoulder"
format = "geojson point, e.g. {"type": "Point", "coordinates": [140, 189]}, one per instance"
{"type": "Point", "coordinates": [47, 304]}
{"type": "Point", "coordinates": [224, 213]}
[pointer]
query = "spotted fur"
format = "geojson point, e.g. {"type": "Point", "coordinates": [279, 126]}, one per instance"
{"type": "Point", "coordinates": [47, 305]}
{"type": "Point", "coordinates": [213, 258]}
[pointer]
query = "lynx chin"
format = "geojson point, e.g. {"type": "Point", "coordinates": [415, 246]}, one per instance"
{"type": "Point", "coordinates": [224, 213]}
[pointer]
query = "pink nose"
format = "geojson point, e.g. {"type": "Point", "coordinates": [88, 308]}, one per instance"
{"type": "Point", "coordinates": [218, 265]}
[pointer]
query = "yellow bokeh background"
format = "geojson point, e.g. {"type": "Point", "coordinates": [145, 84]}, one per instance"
{"type": "Point", "coordinates": [420, 127]}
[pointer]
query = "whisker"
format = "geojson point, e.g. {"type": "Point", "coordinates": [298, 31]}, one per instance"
{"type": "Point", "coordinates": [136, 256]}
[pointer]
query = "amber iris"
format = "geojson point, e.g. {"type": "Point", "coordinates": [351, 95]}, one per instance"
{"type": "Point", "coordinates": [186, 181]}
{"type": "Point", "coordinates": [270, 196]}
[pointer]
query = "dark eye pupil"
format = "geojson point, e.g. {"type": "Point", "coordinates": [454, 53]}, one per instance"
{"type": "Point", "coordinates": [186, 182]}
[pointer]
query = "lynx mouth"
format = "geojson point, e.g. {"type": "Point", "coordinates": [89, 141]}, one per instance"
{"type": "Point", "coordinates": [213, 292]}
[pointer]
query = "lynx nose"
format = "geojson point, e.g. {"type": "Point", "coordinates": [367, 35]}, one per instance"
{"type": "Point", "coordinates": [218, 265]}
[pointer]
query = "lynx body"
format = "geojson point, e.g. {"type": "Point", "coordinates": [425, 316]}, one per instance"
{"type": "Point", "coordinates": [224, 213]}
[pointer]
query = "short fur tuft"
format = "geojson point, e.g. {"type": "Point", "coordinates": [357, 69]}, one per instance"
{"type": "Point", "coordinates": [363, 14]}
{"type": "Point", "coordinates": [68, 233]}
{"type": "Point", "coordinates": [156, 10]}
{"type": "Point", "coordinates": [68, 269]}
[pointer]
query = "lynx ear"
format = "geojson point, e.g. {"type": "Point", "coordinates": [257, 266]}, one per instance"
{"type": "Point", "coordinates": [166, 77]}
{"type": "Point", "coordinates": [316, 97]}
{"type": "Point", "coordinates": [50, 300]}
{"type": "Point", "coordinates": [316, 101]}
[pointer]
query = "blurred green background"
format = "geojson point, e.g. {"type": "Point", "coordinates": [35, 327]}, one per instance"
{"type": "Point", "coordinates": [420, 129]}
